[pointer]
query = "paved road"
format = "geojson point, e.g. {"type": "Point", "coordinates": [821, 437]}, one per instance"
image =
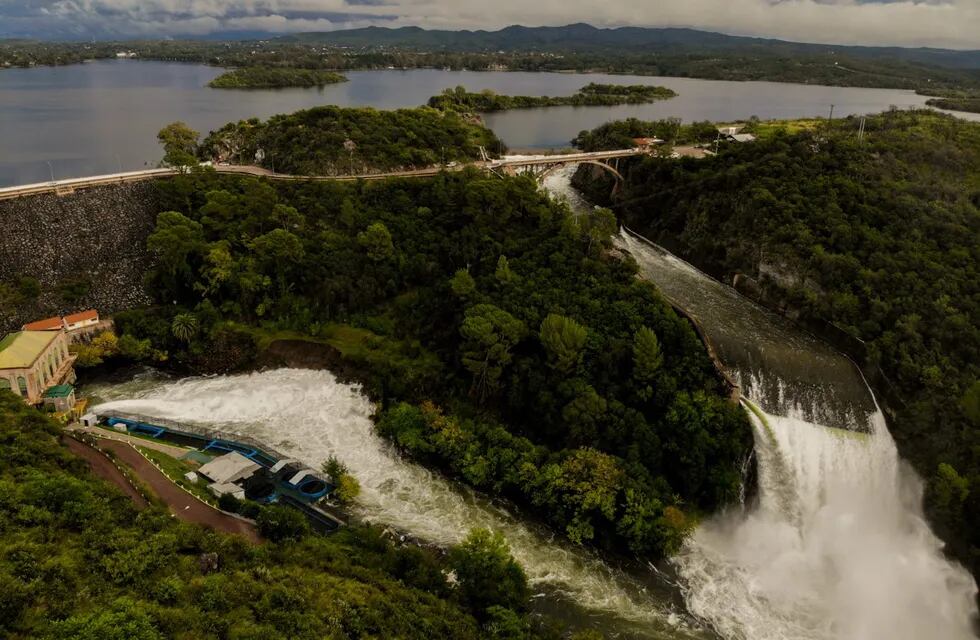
{"type": "Point", "coordinates": [181, 504]}
{"type": "Point", "coordinates": [70, 185]}
{"type": "Point", "coordinates": [105, 469]}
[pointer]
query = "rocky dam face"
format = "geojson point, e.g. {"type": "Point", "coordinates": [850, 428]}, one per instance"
{"type": "Point", "coordinates": [86, 249]}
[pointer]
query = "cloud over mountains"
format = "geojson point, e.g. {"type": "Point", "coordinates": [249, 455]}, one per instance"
{"type": "Point", "coordinates": [946, 23]}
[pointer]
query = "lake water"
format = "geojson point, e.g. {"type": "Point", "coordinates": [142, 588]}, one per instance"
{"type": "Point", "coordinates": [102, 117]}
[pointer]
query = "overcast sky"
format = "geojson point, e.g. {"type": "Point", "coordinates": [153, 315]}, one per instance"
{"type": "Point", "coordinates": [942, 23]}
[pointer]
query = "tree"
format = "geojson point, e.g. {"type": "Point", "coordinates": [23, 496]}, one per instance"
{"type": "Point", "coordinates": [599, 226]}
{"type": "Point", "coordinates": [489, 334]}
{"type": "Point", "coordinates": [488, 576]}
{"type": "Point", "coordinates": [376, 240]}
{"type": "Point", "coordinates": [279, 252]}
{"type": "Point", "coordinates": [175, 243]}
{"type": "Point", "coordinates": [281, 524]}
{"type": "Point", "coordinates": [346, 486]}
{"type": "Point", "coordinates": [179, 145]}
{"type": "Point", "coordinates": [647, 361]}
{"type": "Point", "coordinates": [563, 339]}
{"type": "Point", "coordinates": [125, 621]}
{"type": "Point", "coordinates": [184, 326]}
{"type": "Point", "coordinates": [971, 402]}
{"type": "Point", "coordinates": [463, 284]}
{"type": "Point", "coordinates": [503, 273]}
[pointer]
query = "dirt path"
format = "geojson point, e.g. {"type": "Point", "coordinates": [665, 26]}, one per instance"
{"type": "Point", "coordinates": [105, 469]}
{"type": "Point", "coordinates": [181, 504]}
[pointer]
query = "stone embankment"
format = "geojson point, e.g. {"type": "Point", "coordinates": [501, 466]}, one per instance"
{"type": "Point", "coordinates": [86, 249]}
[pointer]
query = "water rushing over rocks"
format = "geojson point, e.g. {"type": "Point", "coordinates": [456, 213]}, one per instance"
{"type": "Point", "coordinates": [311, 415]}
{"type": "Point", "coordinates": [836, 546]}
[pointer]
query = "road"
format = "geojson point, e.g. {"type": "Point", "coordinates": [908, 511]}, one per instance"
{"type": "Point", "coordinates": [73, 184]}
{"type": "Point", "coordinates": [182, 504]}
{"type": "Point", "coordinates": [101, 466]}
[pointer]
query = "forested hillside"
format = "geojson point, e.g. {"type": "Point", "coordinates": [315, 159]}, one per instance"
{"type": "Point", "coordinates": [507, 344]}
{"type": "Point", "coordinates": [335, 140]}
{"type": "Point", "coordinates": [78, 561]}
{"type": "Point", "coordinates": [879, 237]}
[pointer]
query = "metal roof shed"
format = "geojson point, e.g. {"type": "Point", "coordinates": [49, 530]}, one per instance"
{"type": "Point", "coordinates": [230, 467]}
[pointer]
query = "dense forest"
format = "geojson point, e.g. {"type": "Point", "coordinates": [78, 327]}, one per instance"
{"type": "Point", "coordinates": [882, 238]}
{"type": "Point", "coordinates": [274, 78]}
{"type": "Point", "coordinates": [706, 55]}
{"type": "Point", "coordinates": [591, 95]}
{"type": "Point", "coordinates": [507, 343]}
{"type": "Point", "coordinates": [79, 561]}
{"type": "Point", "coordinates": [621, 134]}
{"type": "Point", "coordinates": [343, 141]}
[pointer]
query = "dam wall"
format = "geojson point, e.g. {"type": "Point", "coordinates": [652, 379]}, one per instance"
{"type": "Point", "coordinates": [86, 249]}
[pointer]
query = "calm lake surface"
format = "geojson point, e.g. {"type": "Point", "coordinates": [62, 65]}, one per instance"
{"type": "Point", "coordinates": [102, 117]}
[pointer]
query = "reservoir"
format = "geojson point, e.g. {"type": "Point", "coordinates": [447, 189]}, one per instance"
{"type": "Point", "coordinates": [102, 117]}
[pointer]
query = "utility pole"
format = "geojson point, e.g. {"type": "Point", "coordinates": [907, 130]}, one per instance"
{"type": "Point", "coordinates": [51, 169]}
{"type": "Point", "coordinates": [831, 120]}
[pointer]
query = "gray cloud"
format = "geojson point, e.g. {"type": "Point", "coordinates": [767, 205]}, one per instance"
{"type": "Point", "coordinates": [948, 23]}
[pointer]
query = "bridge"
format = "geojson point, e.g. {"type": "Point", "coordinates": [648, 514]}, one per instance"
{"type": "Point", "coordinates": [538, 166]}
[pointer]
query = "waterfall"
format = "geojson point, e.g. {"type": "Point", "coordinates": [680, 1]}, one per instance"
{"type": "Point", "coordinates": [835, 547]}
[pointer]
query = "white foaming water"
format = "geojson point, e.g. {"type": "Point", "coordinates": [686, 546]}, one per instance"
{"type": "Point", "coordinates": [836, 547]}
{"type": "Point", "coordinates": [311, 415]}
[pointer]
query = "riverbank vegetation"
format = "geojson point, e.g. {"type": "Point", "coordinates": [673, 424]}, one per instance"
{"type": "Point", "coordinates": [274, 78]}
{"type": "Point", "coordinates": [952, 99]}
{"type": "Point", "coordinates": [693, 55]}
{"type": "Point", "coordinates": [505, 341]}
{"type": "Point", "coordinates": [77, 560]}
{"type": "Point", "coordinates": [591, 95]}
{"type": "Point", "coordinates": [878, 237]}
{"type": "Point", "coordinates": [343, 141]}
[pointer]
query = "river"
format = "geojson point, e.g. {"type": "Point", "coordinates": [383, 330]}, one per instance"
{"type": "Point", "coordinates": [310, 415]}
{"type": "Point", "coordinates": [835, 546]}
{"type": "Point", "coordinates": [102, 117]}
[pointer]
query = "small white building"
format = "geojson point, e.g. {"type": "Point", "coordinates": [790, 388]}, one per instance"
{"type": "Point", "coordinates": [229, 468]}
{"type": "Point", "coordinates": [220, 489]}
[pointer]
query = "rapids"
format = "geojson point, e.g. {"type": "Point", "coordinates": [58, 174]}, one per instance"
{"type": "Point", "coordinates": [835, 545]}
{"type": "Point", "coordinates": [310, 415]}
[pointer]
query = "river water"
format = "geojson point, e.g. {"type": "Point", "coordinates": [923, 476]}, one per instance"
{"type": "Point", "coordinates": [310, 415]}
{"type": "Point", "coordinates": [835, 546]}
{"type": "Point", "coordinates": [102, 117]}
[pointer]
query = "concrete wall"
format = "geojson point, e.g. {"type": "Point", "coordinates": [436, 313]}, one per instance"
{"type": "Point", "coordinates": [98, 234]}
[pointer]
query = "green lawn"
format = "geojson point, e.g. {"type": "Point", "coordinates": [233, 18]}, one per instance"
{"type": "Point", "coordinates": [175, 470]}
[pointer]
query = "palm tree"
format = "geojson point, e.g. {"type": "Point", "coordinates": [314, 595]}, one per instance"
{"type": "Point", "coordinates": [184, 326]}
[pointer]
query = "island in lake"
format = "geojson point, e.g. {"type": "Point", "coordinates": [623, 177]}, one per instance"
{"type": "Point", "coordinates": [591, 95]}
{"type": "Point", "coordinates": [275, 78]}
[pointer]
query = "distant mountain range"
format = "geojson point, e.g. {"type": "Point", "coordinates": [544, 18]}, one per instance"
{"type": "Point", "coordinates": [584, 38]}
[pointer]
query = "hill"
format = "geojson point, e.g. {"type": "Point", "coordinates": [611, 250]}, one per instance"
{"type": "Point", "coordinates": [584, 37]}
